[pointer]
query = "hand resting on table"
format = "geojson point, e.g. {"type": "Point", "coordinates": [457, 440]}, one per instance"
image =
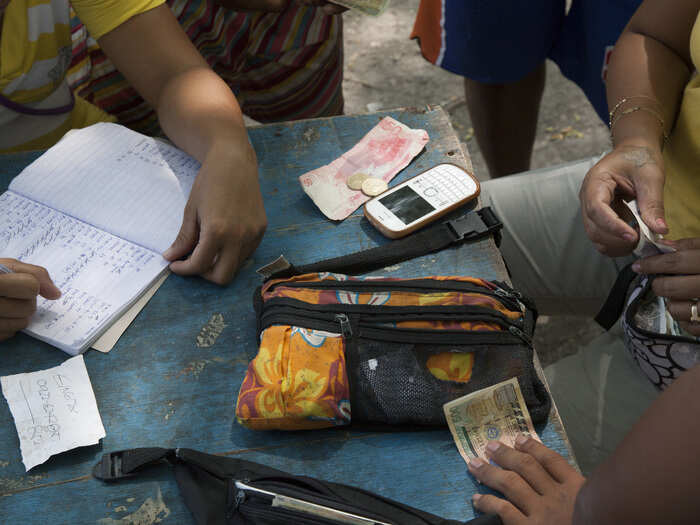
{"type": "Point", "coordinates": [540, 485]}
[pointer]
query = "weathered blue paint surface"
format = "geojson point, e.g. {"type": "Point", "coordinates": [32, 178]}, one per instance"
{"type": "Point", "coordinates": [159, 388]}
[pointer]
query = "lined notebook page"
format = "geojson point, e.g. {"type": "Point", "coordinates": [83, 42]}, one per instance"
{"type": "Point", "coordinates": [98, 274]}
{"type": "Point", "coordinates": [127, 184]}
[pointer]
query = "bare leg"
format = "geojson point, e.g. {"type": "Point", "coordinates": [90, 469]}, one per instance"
{"type": "Point", "coordinates": [505, 120]}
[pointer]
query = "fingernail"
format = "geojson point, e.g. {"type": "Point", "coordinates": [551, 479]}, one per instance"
{"type": "Point", "coordinates": [493, 446]}
{"type": "Point", "coordinates": [476, 463]}
{"type": "Point", "coordinates": [167, 253]}
{"type": "Point", "coordinates": [636, 267]}
{"type": "Point", "coordinates": [629, 237]}
{"type": "Point", "coordinates": [661, 223]}
{"type": "Point", "coordinates": [476, 498]}
{"type": "Point", "coordinates": [521, 440]}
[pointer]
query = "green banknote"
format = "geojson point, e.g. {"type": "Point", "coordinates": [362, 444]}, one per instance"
{"type": "Point", "coordinates": [495, 413]}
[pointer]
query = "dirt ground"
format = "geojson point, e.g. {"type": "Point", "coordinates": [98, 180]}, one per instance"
{"type": "Point", "coordinates": [384, 69]}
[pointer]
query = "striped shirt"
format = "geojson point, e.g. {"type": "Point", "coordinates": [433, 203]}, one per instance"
{"type": "Point", "coordinates": [35, 52]}
{"type": "Point", "coordinates": [281, 66]}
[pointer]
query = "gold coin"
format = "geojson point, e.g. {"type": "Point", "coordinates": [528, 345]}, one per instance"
{"type": "Point", "coordinates": [373, 186]}
{"type": "Point", "coordinates": [355, 180]}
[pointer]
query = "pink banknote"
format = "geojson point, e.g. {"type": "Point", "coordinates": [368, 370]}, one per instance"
{"type": "Point", "coordinates": [382, 153]}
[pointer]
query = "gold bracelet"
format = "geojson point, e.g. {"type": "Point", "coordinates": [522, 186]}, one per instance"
{"type": "Point", "coordinates": [634, 109]}
{"type": "Point", "coordinates": [623, 100]}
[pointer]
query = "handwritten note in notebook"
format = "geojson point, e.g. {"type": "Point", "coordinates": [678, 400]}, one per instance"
{"type": "Point", "coordinates": [96, 210]}
{"type": "Point", "coordinates": [54, 410]}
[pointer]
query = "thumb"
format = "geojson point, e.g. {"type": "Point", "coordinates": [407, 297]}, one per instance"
{"type": "Point", "coordinates": [47, 288]}
{"type": "Point", "coordinates": [186, 238]}
{"type": "Point", "coordinates": [650, 199]}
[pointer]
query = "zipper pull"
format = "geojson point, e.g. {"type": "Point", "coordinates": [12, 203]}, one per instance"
{"type": "Point", "coordinates": [514, 296]}
{"type": "Point", "coordinates": [235, 498]}
{"type": "Point", "coordinates": [240, 498]}
{"type": "Point", "coordinates": [345, 327]}
{"type": "Point", "coordinates": [522, 335]}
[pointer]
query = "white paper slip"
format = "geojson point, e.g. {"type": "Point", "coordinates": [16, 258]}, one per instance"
{"type": "Point", "coordinates": [54, 410]}
{"type": "Point", "coordinates": [648, 243]}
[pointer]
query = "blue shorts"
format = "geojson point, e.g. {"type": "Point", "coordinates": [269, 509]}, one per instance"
{"type": "Point", "coordinates": [501, 42]}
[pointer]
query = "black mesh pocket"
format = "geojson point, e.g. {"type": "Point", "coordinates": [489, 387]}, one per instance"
{"type": "Point", "coordinates": [391, 383]}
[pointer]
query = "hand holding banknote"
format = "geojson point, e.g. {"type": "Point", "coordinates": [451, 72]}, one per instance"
{"type": "Point", "coordinates": [539, 484]}
{"type": "Point", "coordinates": [627, 172]}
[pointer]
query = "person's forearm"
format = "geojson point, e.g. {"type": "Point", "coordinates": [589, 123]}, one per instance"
{"type": "Point", "coordinates": [652, 476]}
{"type": "Point", "coordinates": [203, 126]}
{"type": "Point", "coordinates": [650, 69]}
{"type": "Point", "coordinates": [659, 88]}
{"type": "Point", "coordinates": [196, 108]}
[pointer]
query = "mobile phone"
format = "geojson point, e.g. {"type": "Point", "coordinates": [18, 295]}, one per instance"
{"type": "Point", "coordinates": [421, 199]}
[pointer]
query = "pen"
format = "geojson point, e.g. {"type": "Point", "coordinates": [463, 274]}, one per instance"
{"type": "Point", "coordinates": [4, 269]}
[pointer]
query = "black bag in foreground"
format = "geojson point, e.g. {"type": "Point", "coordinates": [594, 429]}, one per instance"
{"type": "Point", "coordinates": [220, 490]}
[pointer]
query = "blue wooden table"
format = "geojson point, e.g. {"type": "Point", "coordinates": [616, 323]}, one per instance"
{"type": "Point", "coordinates": [172, 379]}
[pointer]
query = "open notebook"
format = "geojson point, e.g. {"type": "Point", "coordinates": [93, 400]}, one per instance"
{"type": "Point", "coordinates": [97, 210]}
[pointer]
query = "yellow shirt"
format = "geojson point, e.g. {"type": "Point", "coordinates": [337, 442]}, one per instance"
{"type": "Point", "coordinates": [682, 157]}
{"type": "Point", "coordinates": [35, 52]}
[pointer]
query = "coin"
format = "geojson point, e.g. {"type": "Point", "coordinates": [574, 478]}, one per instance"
{"type": "Point", "coordinates": [355, 180]}
{"type": "Point", "coordinates": [373, 186]}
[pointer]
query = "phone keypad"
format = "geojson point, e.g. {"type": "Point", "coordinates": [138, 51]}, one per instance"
{"type": "Point", "coordinates": [444, 185]}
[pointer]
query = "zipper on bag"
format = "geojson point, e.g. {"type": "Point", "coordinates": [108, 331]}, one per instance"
{"type": "Point", "coordinates": [345, 327]}
{"type": "Point", "coordinates": [407, 335]}
{"type": "Point", "coordinates": [377, 316]}
{"type": "Point", "coordinates": [340, 323]}
{"type": "Point", "coordinates": [513, 298]}
{"type": "Point", "coordinates": [279, 502]}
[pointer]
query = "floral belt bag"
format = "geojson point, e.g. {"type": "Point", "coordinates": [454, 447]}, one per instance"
{"type": "Point", "coordinates": [336, 349]}
{"type": "Point", "coordinates": [653, 338]}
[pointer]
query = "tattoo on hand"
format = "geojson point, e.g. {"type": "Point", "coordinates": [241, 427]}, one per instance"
{"type": "Point", "coordinates": [639, 156]}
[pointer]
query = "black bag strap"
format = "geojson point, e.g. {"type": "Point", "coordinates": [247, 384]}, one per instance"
{"type": "Point", "coordinates": [126, 463]}
{"type": "Point", "coordinates": [470, 227]}
{"type": "Point", "coordinates": [615, 303]}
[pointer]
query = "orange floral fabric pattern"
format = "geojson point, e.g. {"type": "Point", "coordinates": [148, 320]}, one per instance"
{"type": "Point", "coordinates": [297, 381]}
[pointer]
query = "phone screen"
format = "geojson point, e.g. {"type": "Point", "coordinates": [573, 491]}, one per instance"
{"type": "Point", "coordinates": [407, 205]}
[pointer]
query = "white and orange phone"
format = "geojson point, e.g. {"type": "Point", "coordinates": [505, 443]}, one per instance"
{"type": "Point", "coordinates": [420, 200]}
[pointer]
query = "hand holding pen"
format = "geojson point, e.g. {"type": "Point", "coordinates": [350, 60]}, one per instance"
{"type": "Point", "coordinates": [20, 283]}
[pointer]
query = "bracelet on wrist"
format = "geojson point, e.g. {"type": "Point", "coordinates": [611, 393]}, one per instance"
{"type": "Point", "coordinates": [624, 100]}
{"type": "Point", "coordinates": [615, 119]}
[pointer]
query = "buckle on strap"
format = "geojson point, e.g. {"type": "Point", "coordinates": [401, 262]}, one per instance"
{"type": "Point", "coordinates": [126, 463]}
{"type": "Point", "coordinates": [110, 467]}
{"type": "Point", "coordinates": [477, 225]}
